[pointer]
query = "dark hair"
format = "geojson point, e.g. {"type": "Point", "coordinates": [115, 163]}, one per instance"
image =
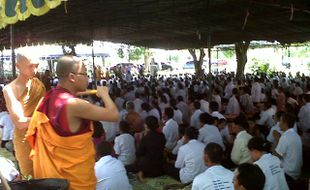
{"type": "Point", "coordinates": [151, 122]}
{"type": "Point", "coordinates": [257, 143]}
{"type": "Point", "coordinates": [191, 133]}
{"type": "Point", "coordinates": [242, 121]}
{"type": "Point", "coordinates": [289, 119]}
{"type": "Point", "coordinates": [130, 105]}
{"type": "Point", "coordinates": [214, 106]}
{"type": "Point", "coordinates": [206, 118]}
{"type": "Point", "coordinates": [104, 148]}
{"type": "Point", "coordinates": [214, 152]}
{"type": "Point", "coordinates": [145, 106]}
{"type": "Point", "coordinates": [180, 98]}
{"type": "Point", "coordinates": [235, 91]}
{"type": "Point", "coordinates": [98, 129]}
{"type": "Point", "coordinates": [251, 177]}
{"type": "Point", "coordinates": [197, 105]}
{"type": "Point", "coordinates": [169, 112]}
{"type": "Point", "coordinates": [306, 97]}
{"type": "Point", "coordinates": [279, 114]}
{"type": "Point", "coordinates": [124, 126]}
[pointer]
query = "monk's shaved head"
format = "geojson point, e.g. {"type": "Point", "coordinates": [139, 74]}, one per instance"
{"type": "Point", "coordinates": [66, 65]}
{"type": "Point", "coordinates": [25, 58]}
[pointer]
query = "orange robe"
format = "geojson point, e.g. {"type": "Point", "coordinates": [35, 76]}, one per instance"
{"type": "Point", "coordinates": [54, 156]}
{"type": "Point", "coordinates": [29, 100]}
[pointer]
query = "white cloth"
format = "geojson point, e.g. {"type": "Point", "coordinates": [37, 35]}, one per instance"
{"type": "Point", "coordinates": [143, 115]}
{"type": "Point", "coordinates": [304, 117]}
{"type": "Point", "coordinates": [228, 89]}
{"type": "Point", "coordinates": [218, 115]}
{"type": "Point", "coordinates": [256, 92]}
{"type": "Point", "coordinates": [204, 106]}
{"type": "Point", "coordinates": [233, 106]}
{"type": "Point", "coordinates": [8, 169]}
{"type": "Point", "coordinates": [171, 132]}
{"type": "Point", "coordinates": [8, 127]}
{"type": "Point", "coordinates": [195, 119]}
{"type": "Point", "coordinates": [124, 147]}
{"type": "Point", "coordinates": [217, 98]}
{"type": "Point", "coordinates": [111, 129]}
{"type": "Point", "coordinates": [290, 148]}
{"type": "Point", "coordinates": [214, 178]}
{"type": "Point", "coordinates": [274, 173]}
{"type": "Point", "coordinates": [276, 127]}
{"type": "Point", "coordinates": [177, 147]}
{"type": "Point", "coordinates": [266, 117]}
{"type": "Point", "coordinates": [111, 174]}
{"type": "Point", "coordinates": [240, 153]}
{"type": "Point", "coordinates": [178, 116]}
{"type": "Point", "coordinates": [154, 112]}
{"type": "Point", "coordinates": [190, 160]}
{"type": "Point", "coordinates": [226, 136]}
{"type": "Point", "coordinates": [247, 103]}
{"type": "Point", "coordinates": [210, 133]}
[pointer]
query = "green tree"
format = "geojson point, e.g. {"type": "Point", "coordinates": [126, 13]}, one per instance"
{"type": "Point", "coordinates": [229, 54]}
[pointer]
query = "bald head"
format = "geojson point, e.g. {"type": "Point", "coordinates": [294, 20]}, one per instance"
{"type": "Point", "coordinates": [25, 58]}
{"type": "Point", "coordinates": [66, 65]}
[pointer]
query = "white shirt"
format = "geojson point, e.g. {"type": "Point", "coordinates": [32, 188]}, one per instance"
{"type": "Point", "coordinates": [111, 129]}
{"type": "Point", "coordinates": [137, 102]}
{"type": "Point", "coordinates": [304, 117]}
{"type": "Point", "coordinates": [178, 116]}
{"type": "Point", "coordinates": [143, 115]}
{"type": "Point", "coordinates": [228, 89]}
{"type": "Point", "coordinates": [190, 160]}
{"type": "Point", "coordinates": [210, 133]}
{"type": "Point", "coordinates": [8, 127]}
{"type": "Point", "coordinates": [8, 169]}
{"type": "Point", "coordinates": [290, 148]}
{"type": "Point", "coordinates": [266, 117]}
{"type": "Point", "coordinates": [273, 171]}
{"type": "Point", "coordinates": [217, 98]}
{"type": "Point", "coordinates": [195, 119]}
{"type": "Point", "coordinates": [256, 92]}
{"type": "Point", "coordinates": [240, 153]}
{"type": "Point", "coordinates": [111, 174]}
{"type": "Point", "coordinates": [204, 106]}
{"type": "Point", "coordinates": [214, 178]}
{"type": "Point", "coordinates": [246, 102]}
{"type": "Point", "coordinates": [233, 106]}
{"type": "Point", "coordinates": [171, 132]}
{"type": "Point", "coordinates": [124, 147]}
{"type": "Point", "coordinates": [177, 147]}
{"type": "Point", "coordinates": [154, 112]}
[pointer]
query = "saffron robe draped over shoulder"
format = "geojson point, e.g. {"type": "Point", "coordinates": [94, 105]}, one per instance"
{"type": "Point", "coordinates": [29, 101]}
{"type": "Point", "coordinates": [57, 156]}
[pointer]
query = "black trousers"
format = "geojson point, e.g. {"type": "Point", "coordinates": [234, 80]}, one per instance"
{"type": "Point", "coordinates": [172, 171]}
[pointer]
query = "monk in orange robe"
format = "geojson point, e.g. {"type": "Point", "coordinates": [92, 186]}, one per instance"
{"type": "Point", "coordinates": [22, 96]}
{"type": "Point", "coordinates": [60, 131]}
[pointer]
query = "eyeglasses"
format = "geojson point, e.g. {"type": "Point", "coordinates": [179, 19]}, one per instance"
{"type": "Point", "coordinates": [84, 74]}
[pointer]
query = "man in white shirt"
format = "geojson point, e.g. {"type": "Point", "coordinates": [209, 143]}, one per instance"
{"type": "Point", "coordinates": [214, 109]}
{"type": "Point", "coordinates": [190, 156]}
{"type": "Point", "coordinates": [304, 118]}
{"type": "Point", "coordinates": [228, 89]}
{"type": "Point", "coordinates": [110, 172]}
{"type": "Point", "coordinates": [184, 108]}
{"type": "Point", "coordinates": [204, 105]}
{"type": "Point", "coordinates": [249, 177]}
{"type": "Point", "coordinates": [240, 153]}
{"type": "Point", "coordinates": [267, 115]}
{"type": "Point", "coordinates": [289, 148]}
{"type": "Point", "coordinates": [216, 176]}
{"type": "Point", "coordinates": [171, 129]}
{"type": "Point", "coordinates": [137, 102]}
{"type": "Point", "coordinates": [124, 145]}
{"type": "Point", "coordinates": [7, 128]}
{"type": "Point", "coordinates": [119, 101]}
{"type": "Point", "coordinates": [233, 106]}
{"type": "Point", "coordinates": [208, 132]}
{"type": "Point", "coordinates": [256, 91]}
{"type": "Point", "coordinates": [195, 116]}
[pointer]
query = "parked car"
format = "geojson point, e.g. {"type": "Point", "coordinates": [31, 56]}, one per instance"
{"type": "Point", "coordinates": [166, 66]}
{"type": "Point", "coordinates": [189, 65]}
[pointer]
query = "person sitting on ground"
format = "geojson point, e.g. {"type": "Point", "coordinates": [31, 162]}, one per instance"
{"type": "Point", "coordinates": [249, 177]}
{"type": "Point", "coordinates": [194, 122]}
{"type": "Point", "coordinates": [240, 152]}
{"type": "Point", "coordinates": [110, 172]}
{"type": "Point", "coordinates": [124, 145]}
{"type": "Point", "coordinates": [216, 176]}
{"type": "Point", "coordinates": [99, 133]}
{"type": "Point", "coordinates": [269, 164]}
{"type": "Point", "coordinates": [133, 118]}
{"type": "Point", "coordinates": [289, 147]}
{"type": "Point", "coordinates": [208, 132]}
{"type": "Point", "coordinates": [150, 152]}
{"type": "Point", "coordinates": [171, 129]}
{"type": "Point", "coordinates": [189, 162]}
{"type": "Point", "coordinates": [233, 106]}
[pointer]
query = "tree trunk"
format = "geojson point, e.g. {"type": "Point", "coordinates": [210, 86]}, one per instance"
{"type": "Point", "coordinates": [241, 49]}
{"type": "Point", "coordinates": [198, 62]}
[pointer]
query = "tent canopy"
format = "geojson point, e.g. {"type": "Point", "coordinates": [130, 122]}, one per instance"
{"type": "Point", "coordinates": [169, 24]}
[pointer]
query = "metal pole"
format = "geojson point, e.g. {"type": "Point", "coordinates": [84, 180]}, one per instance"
{"type": "Point", "coordinates": [209, 50]}
{"type": "Point", "coordinates": [13, 52]}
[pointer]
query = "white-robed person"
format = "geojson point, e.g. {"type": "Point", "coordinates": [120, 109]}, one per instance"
{"type": "Point", "coordinates": [216, 176]}
{"type": "Point", "coordinates": [268, 163]}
